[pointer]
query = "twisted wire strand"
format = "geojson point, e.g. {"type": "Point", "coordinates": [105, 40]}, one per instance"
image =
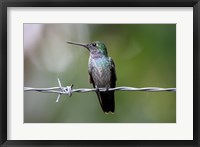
{"type": "Point", "coordinates": [123, 88]}
{"type": "Point", "coordinates": [68, 90]}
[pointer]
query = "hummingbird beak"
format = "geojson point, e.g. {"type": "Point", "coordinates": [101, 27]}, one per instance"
{"type": "Point", "coordinates": [79, 44]}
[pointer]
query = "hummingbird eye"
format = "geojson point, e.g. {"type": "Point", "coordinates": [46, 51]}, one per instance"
{"type": "Point", "coordinates": [94, 44]}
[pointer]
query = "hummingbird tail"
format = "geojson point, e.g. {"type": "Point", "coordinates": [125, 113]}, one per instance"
{"type": "Point", "coordinates": [107, 101]}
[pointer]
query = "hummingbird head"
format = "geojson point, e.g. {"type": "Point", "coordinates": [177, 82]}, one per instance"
{"type": "Point", "coordinates": [95, 48]}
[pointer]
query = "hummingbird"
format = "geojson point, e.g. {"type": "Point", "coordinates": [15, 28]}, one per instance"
{"type": "Point", "coordinates": [102, 74]}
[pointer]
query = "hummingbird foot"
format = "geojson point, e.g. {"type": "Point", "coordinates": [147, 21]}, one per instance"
{"type": "Point", "coordinates": [97, 88]}
{"type": "Point", "coordinates": [107, 89]}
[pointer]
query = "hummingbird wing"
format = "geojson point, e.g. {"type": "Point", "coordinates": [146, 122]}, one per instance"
{"type": "Point", "coordinates": [91, 79]}
{"type": "Point", "coordinates": [113, 74]}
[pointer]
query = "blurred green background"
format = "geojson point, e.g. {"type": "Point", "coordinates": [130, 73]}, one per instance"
{"type": "Point", "coordinates": [144, 56]}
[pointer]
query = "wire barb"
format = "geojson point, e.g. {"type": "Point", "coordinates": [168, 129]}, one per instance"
{"type": "Point", "coordinates": [68, 90]}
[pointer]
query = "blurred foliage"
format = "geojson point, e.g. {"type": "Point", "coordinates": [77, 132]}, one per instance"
{"type": "Point", "coordinates": [144, 55]}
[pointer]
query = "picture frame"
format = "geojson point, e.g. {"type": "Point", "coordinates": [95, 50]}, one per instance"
{"type": "Point", "coordinates": [78, 3]}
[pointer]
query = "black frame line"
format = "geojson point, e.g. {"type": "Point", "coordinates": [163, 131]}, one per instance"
{"type": "Point", "coordinates": [4, 4]}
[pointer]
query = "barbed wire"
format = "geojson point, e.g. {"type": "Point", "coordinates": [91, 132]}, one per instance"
{"type": "Point", "coordinates": [68, 90]}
